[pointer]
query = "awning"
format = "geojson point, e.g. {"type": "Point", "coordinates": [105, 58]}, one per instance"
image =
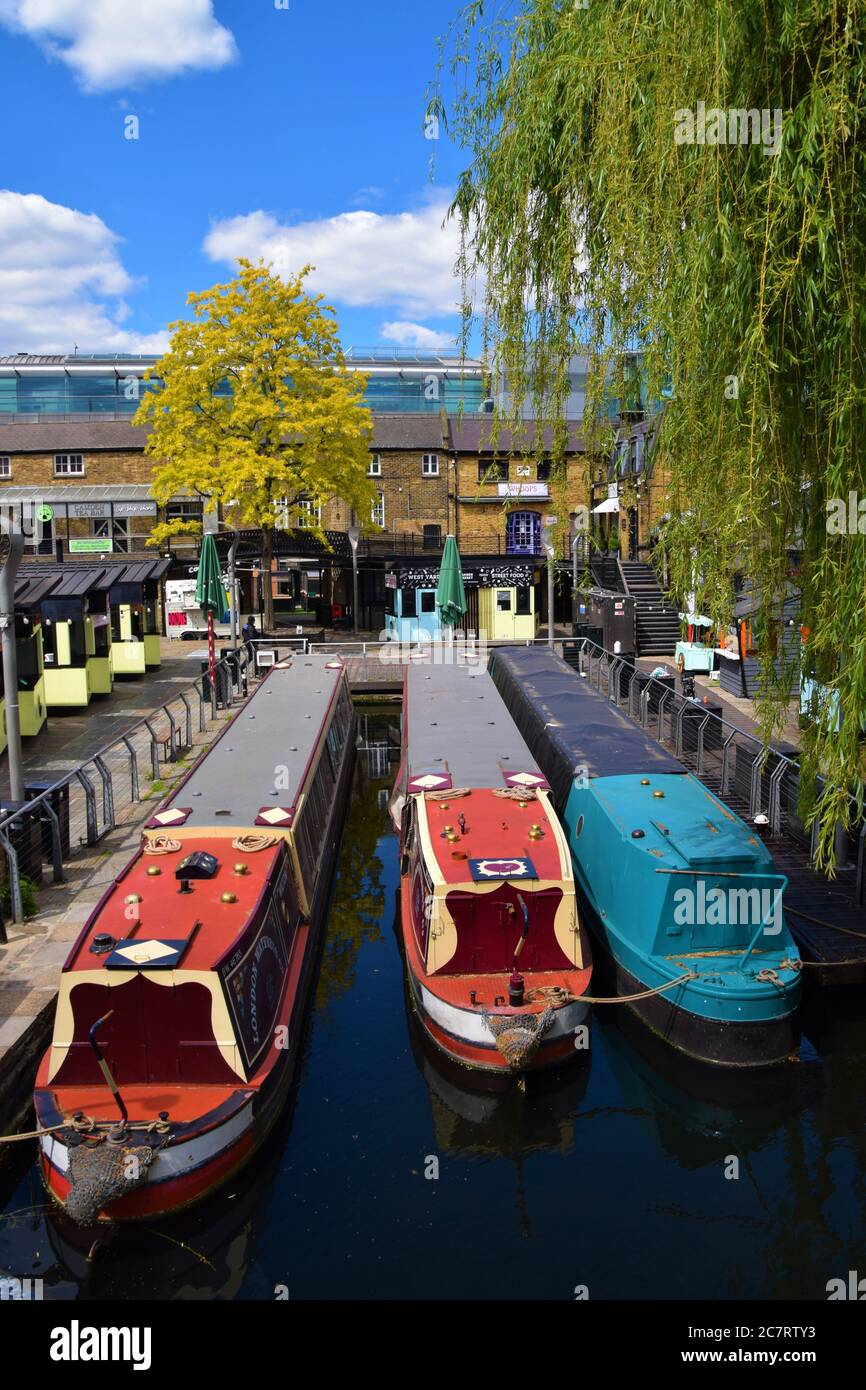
{"type": "Point", "coordinates": [610, 504]}
{"type": "Point", "coordinates": [95, 492]}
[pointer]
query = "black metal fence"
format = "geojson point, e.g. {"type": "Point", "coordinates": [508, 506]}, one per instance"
{"type": "Point", "coordinates": [765, 780]}
{"type": "Point", "coordinates": [66, 819]}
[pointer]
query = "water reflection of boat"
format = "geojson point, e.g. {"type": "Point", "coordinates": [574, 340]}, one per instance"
{"type": "Point", "coordinates": [695, 1112]}
{"type": "Point", "coordinates": [488, 1115]}
{"type": "Point", "coordinates": [203, 1253]}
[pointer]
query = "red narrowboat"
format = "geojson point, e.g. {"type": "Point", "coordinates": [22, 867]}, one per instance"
{"type": "Point", "coordinates": [496, 955]}
{"type": "Point", "coordinates": [181, 1005]}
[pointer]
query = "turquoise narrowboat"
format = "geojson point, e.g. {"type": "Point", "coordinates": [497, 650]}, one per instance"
{"type": "Point", "coordinates": [681, 895]}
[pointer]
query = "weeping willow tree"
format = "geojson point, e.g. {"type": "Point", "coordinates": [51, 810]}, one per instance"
{"type": "Point", "coordinates": [681, 185]}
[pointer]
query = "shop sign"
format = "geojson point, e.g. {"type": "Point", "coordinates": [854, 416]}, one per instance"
{"type": "Point", "coordinates": [122, 509]}
{"type": "Point", "coordinates": [99, 510]}
{"type": "Point", "coordinates": [523, 490]}
{"type": "Point", "coordinates": [91, 545]}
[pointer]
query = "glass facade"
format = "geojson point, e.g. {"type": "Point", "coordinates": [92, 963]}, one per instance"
{"type": "Point", "coordinates": [115, 387]}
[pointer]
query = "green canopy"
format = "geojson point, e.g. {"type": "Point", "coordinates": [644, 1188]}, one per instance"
{"type": "Point", "coordinates": [209, 592]}
{"type": "Point", "coordinates": [450, 595]}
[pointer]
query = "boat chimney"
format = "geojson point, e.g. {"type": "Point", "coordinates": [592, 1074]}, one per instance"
{"type": "Point", "coordinates": [516, 988]}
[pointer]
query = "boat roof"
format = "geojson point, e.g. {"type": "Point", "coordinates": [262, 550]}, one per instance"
{"type": "Point", "coordinates": [496, 844]}
{"type": "Point", "coordinates": [459, 733]}
{"type": "Point", "coordinates": [270, 741]}
{"type": "Point", "coordinates": [569, 725]}
{"type": "Point", "coordinates": [168, 916]}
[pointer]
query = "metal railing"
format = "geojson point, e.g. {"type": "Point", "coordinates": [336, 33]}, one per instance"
{"type": "Point", "coordinates": [729, 758]}
{"type": "Point", "coordinates": [39, 839]}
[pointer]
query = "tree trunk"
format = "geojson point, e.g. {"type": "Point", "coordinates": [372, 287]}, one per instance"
{"type": "Point", "coordinates": [267, 577]}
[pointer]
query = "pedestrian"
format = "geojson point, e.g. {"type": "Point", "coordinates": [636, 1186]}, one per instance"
{"type": "Point", "coordinates": [250, 633]}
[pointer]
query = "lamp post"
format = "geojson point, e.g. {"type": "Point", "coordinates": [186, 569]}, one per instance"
{"type": "Point", "coordinates": [354, 534]}
{"type": "Point", "coordinates": [549, 546]}
{"type": "Point", "coordinates": [11, 550]}
{"type": "Point", "coordinates": [579, 524]}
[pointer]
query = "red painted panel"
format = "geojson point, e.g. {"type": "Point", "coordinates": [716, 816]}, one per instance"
{"type": "Point", "coordinates": [488, 933]}
{"type": "Point", "coordinates": [157, 1033]}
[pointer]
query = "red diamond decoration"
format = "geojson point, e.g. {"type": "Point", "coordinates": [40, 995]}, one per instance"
{"type": "Point", "coordinates": [527, 780]}
{"type": "Point", "coordinates": [430, 782]}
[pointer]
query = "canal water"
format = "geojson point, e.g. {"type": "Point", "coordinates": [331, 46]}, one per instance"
{"type": "Point", "coordinates": [395, 1176]}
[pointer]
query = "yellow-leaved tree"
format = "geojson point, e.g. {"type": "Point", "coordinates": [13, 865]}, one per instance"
{"type": "Point", "coordinates": [258, 411]}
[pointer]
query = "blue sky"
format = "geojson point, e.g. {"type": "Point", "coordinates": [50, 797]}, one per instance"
{"type": "Point", "coordinates": [296, 134]}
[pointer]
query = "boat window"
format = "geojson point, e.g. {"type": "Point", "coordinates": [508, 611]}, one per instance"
{"type": "Point", "coordinates": [578, 828]}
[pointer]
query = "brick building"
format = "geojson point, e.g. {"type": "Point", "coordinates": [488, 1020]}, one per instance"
{"type": "Point", "coordinates": [67, 444]}
{"type": "Point", "coordinates": [630, 491]}
{"type": "Point", "coordinates": [91, 481]}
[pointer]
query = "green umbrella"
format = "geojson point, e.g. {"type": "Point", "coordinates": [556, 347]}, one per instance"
{"type": "Point", "coordinates": [450, 595]}
{"type": "Point", "coordinates": [210, 594]}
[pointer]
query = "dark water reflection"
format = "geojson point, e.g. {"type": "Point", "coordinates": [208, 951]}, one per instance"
{"type": "Point", "coordinates": [610, 1174]}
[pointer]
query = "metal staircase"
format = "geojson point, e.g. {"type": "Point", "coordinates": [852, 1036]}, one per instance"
{"type": "Point", "coordinates": [657, 625]}
{"type": "Point", "coordinates": [605, 572]}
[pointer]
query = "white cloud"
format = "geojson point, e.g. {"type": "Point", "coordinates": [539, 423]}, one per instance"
{"type": "Point", "coordinates": [112, 43]}
{"type": "Point", "coordinates": [62, 281]}
{"type": "Point", "coordinates": [402, 260]}
{"type": "Point", "coordinates": [417, 335]}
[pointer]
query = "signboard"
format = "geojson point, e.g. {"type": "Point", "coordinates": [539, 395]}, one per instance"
{"type": "Point", "coordinates": [100, 510]}
{"type": "Point", "coordinates": [613, 489]}
{"type": "Point", "coordinates": [122, 509]}
{"type": "Point", "coordinates": [523, 490]}
{"type": "Point", "coordinates": [253, 977]}
{"type": "Point", "coordinates": [91, 545]}
{"type": "Point", "coordinates": [493, 576]}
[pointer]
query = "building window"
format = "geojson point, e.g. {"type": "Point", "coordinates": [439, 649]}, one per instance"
{"type": "Point", "coordinates": [432, 538]}
{"type": "Point", "coordinates": [523, 607]}
{"type": "Point", "coordinates": [375, 469]}
{"type": "Point", "coordinates": [503, 600]}
{"type": "Point", "coordinates": [428, 601]}
{"type": "Point", "coordinates": [430, 465]}
{"type": "Point", "coordinates": [184, 510]}
{"type": "Point", "coordinates": [377, 512]}
{"type": "Point", "coordinates": [543, 472]}
{"type": "Point", "coordinates": [309, 515]}
{"type": "Point", "coordinates": [117, 531]}
{"type": "Point", "coordinates": [69, 465]}
{"type": "Point", "coordinates": [523, 533]}
{"type": "Point", "coordinates": [493, 470]}
{"type": "Point", "coordinates": [5, 466]}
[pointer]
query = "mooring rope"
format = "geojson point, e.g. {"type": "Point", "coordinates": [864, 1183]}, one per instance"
{"type": "Point", "coordinates": [452, 794]}
{"type": "Point", "coordinates": [162, 844]}
{"type": "Point", "coordinates": [644, 994]}
{"type": "Point", "coordinates": [88, 1125]}
{"type": "Point", "coordinates": [818, 922]}
{"type": "Point", "coordinates": [253, 844]}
